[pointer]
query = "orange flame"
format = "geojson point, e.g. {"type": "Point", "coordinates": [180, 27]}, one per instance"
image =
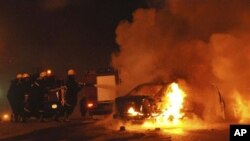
{"type": "Point", "coordinates": [171, 108]}
{"type": "Point", "coordinates": [132, 112]}
{"type": "Point", "coordinates": [173, 104]}
{"type": "Point", "coordinates": [241, 108]}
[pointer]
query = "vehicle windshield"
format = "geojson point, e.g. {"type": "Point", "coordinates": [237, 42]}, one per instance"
{"type": "Point", "coordinates": [149, 89]}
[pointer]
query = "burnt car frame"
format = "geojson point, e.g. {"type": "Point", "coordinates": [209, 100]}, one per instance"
{"type": "Point", "coordinates": [144, 101]}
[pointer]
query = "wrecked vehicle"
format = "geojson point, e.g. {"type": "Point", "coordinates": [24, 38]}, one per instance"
{"type": "Point", "coordinates": [140, 103]}
{"type": "Point", "coordinates": [154, 101]}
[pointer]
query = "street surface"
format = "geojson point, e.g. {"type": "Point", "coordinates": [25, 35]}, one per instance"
{"type": "Point", "coordinates": [95, 130]}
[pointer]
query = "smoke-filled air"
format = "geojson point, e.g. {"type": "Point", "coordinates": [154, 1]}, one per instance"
{"type": "Point", "coordinates": [205, 44]}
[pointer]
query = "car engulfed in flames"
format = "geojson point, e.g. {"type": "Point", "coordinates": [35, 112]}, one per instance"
{"type": "Point", "coordinates": [161, 102]}
{"type": "Point", "coordinates": [135, 108]}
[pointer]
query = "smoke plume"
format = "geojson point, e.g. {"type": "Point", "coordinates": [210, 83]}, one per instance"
{"type": "Point", "coordinates": [205, 43]}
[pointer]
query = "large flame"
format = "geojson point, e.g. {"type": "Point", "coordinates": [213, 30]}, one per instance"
{"type": "Point", "coordinates": [180, 41]}
{"type": "Point", "coordinates": [171, 108]}
{"type": "Point", "coordinates": [241, 109]}
{"type": "Point", "coordinates": [172, 105]}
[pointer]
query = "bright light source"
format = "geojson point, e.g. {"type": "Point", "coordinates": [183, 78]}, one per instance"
{"type": "Point", "coordinates": [54, 106]}
{"type": "Point", "coordinates": [49, 72]}
{"type": "Point", "coordinates": [5, 117]}
{"type": "Point", "coordinates": [90, 105]}
{"type": "Point", "coordinates": [133, 112]}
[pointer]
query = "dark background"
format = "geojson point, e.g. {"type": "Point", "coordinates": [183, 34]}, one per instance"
{"type": "Point", "coordinates": [58, 34]}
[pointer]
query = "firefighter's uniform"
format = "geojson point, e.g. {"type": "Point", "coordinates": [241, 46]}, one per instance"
{"type": "Point", "coordinates": [73, 88]}
{"type": "Point", "coordinates": [15, 97]}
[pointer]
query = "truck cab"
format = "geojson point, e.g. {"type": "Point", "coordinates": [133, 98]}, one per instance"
{"type": "Point", "coordinates": [99, 92]}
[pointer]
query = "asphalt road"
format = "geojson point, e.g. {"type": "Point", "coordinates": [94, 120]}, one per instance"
{"type": "Point", "coordinates": [85, 131]}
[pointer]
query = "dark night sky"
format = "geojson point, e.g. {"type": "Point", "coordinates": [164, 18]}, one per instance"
{"type": "Point", "coordinates": [58, 34]}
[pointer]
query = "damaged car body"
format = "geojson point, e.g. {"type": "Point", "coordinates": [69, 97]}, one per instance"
{"type": "Point", "coordinates": [140, 103]}
{"type": "Point", "coordinates": [151, 100]}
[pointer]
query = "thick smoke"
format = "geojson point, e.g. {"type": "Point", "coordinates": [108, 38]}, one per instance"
{"type": "Point", "coordinates": [205, 43]}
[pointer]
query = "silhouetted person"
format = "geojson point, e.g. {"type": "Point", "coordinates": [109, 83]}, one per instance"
{"type": "Point", "coordinates": [73, 88]}
{"type": "Point", "coordinates": [24, 90]}
{"type": "Point", "coordinates": [13, 96]}
{"type": "Point", "coordinates": [36, 97]}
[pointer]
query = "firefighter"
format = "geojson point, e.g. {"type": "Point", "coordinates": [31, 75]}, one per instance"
{"type": "Point", "coordinates": [36, 97]}
{"type": "Point", "coordinates": [13, 96]}
{"type": "Point", "coordinates": [73, 88]}
{"type": "Point", "coordinates": [26, 83]}
{"type": "Point", "coordinates": [55, 85]}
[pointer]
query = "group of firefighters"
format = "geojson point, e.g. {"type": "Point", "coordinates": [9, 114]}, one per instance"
{"type": "Point", "coordinates": [26, 95]}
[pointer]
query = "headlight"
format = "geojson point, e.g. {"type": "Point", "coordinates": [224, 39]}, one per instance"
{"type": "Point", "coordinates": [90, 105]}
{"type": "Point", "coordinates": [54, 106]}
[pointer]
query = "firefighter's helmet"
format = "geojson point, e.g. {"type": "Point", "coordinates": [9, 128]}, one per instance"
{"type": "Point", "coordinates": [19, 76]}
{"type": "Point", "coordinates": [25, 75]}
{"type": "Point", "coordinates": [43, 74]}
{"type": "Point", "coordinates": [71, 72]}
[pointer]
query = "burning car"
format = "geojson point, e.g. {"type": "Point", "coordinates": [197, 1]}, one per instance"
{"type": "Point", "coordinates": [140, 103]}
{"type": "Point", "coordinates": [158, 101]}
